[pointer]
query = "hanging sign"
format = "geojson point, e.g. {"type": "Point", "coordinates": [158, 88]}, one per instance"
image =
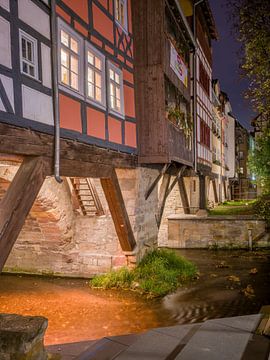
{"type": "Point", "coordinates": [178, 66]}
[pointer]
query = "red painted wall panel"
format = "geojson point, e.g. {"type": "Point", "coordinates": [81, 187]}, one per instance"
{"type": "Point", "coordinates": [129, 101]}
{"type": "Point", "coordinates": [130, 134]}
{"type": "Point", "coordinates": [115, 130]}
{"type": "Point", "coordinates": [80, 7]}
{"type": "Point", "coordinates": [70, 113]}
{"type": "Point", "coordinates": [95, 123]}
{"type": "Point", "coordinates": [103, 24]}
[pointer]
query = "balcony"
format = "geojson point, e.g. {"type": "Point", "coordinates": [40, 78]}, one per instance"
{"type": "Point", "coordinates": [179, 145]}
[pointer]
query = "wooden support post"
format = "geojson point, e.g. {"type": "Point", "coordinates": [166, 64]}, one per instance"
{"type": "Point", "coordinates": [118, 211]}
{"type": "Point", "coordinates": [17, 202]}
{"type": "Point", "coordinates": [162, 197]}
{"type": "Point", "coordinates": [215, 190]}
{"type": "Point", "coordinates": [225, 190]}
{"type": "Point", "coordinates": [183, 195]}
{"type": "Point", "coordinates": [180, 172]}
{"type": "Point", "coordinates": [202, 192]}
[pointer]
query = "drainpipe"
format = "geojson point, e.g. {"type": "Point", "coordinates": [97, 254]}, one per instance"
{"type": "Point", "coordinates": [195, 86]}
{"type": "Point", "coordinates": [54, 61]}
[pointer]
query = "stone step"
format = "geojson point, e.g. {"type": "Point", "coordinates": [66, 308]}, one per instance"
{"type": "Point", "coordinates": [221, 339]}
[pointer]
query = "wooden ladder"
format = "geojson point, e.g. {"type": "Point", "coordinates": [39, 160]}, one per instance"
{"type": "Point", "coordinates": [87, 196]}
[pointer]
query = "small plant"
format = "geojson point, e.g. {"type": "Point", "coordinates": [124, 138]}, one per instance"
{"type": "Point", "coordinates": [180, 119]}
{"type": "Point", "coordinates": [216, 162]}
{"type": "Point", "coordinates": [159, 273]}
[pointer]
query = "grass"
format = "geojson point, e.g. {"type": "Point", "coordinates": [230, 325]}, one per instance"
{"type": "Point", "coordinates": [243, 207]}
{"type": "Point", "coordinates": [160, 272]}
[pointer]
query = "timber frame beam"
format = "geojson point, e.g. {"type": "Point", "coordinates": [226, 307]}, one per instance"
{"type": "Point", "coordinates": [25, 142]}
{"type": "Point", "coordinates": [17, 202]}
{"type": "Point", "coordinates": [118, 211]}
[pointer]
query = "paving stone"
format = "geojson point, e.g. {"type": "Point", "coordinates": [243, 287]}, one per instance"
{"type": "Point", "coordinates": [104, 349]}
{"type": "Point", "coordinates": [246, 322]}
{"type": "Point", "coordinates": [215, 341]}
{"type": "Point", "coordinates": [71, 349]}
{"type": "Point", "coordinates": [182, 332]}
{"type": "Point", "coordinates": [151, 346]}
{"type": "Point", "coordinates": [125, 339]}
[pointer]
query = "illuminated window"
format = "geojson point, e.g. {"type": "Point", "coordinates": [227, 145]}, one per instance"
{"type": "Point", "coordinates": [121, 13]}
{"type": "Point", "coordinates": [70, 67]}
{"type": "Point", "coordinates": [28, 55]}
{"type": "Point", "coordinates": [116, 99]}
{"type": "Point", "coordinates": [95, 76]}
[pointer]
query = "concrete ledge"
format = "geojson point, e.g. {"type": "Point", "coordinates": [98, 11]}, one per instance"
{"type": "Point", "coordinates": [213, 217]}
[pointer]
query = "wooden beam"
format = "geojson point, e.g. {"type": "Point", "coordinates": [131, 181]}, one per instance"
{"type": "Point", "coordinates": [183, 195]}
{"type": "Point", "coordinates": [18, 201]}
{"type": "Point", "coordinates": [202, 192]}
{"type": "Point", "coordinates": [155, 182]}
{"type": "Point", "coordinates": [118, 211]}
{"type": "Point", "coordinates": [26, 142]}
{"type": "Point", "coordinates": [225, 190]}
{"type": "Point", "coordinates": [162, 197]}
{"type": "Point", "coordinates": [180, 172]}
{"type": "Point", "coordinates": [215, 190]}
{"type": "Point", "coordinates": [76, 168]}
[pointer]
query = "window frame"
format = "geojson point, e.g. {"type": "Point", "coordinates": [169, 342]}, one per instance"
{"type": "Point", "coordinates": [26, 36]}
{"type": "Point", "coordinates": [61, 25]}
{"type": "Point", "coordinates": [124, 26]}
{"type": "Point", "coordinates": [121, 113]}
{"type": "Point", "coordinates": [102, 57]}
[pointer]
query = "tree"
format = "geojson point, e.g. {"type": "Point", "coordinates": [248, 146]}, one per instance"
{"type": "Point", "coordinates": [259, 160]}
{"type": "Point", "coordinates": [251, 22]}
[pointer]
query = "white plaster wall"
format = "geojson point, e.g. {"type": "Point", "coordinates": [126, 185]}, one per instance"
{"type": "Point", "coordinates": [46, 65]}
{"type": "Point", "coordinates": [8, 85]}
{"type": "Point", "coordinates": [5, 4]}
{"type": "Point", "coordinates": [37, 106]}
{"type": "Point", "coordinates": [5, 49]}
{"type": "Point", "coordinates": [35, 17]}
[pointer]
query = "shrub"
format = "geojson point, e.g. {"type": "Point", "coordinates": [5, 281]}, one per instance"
{"type": "Point", "coordinates": [262, 208]}
{"type": "Point", "coordinates": [159, 273]}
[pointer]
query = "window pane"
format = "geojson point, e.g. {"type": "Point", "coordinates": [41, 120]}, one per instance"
{"type": "Point", "coordinates": [74, 64]}
{"type": "Point", "coordinates": [112, 102]}
{"type": "Point", "coordinates": [64, 58]}
{"type": "Point", "coordinates": [31, 70]}
{"type": "Point", "coordinates": [25, 68]}
{"type": "Point", "coordinates": [97, 63]}
{"type": "Point", "coordinates": [91, 92]}
{"type": "Point", "coordinates": [117, 92]}
{"type": "Point", "coordinates": [74, 45]}
{"type": "Point", "coordinates": [23, 48]}
{"type": "Point", "coordinates": [122, 14]}
{"type": "Point", "coordinates": [29, 51]}
{"type": "Point", "coordinates": [111, 89]}
{"type": "Point", "coordinates": [118, 104]}
{"type": "Point", "coordinates": [98, 94]}
{"type": "Point", "coordinates": [64, 38]}
{"type": "Point", "coordinates": [74, 81]}
{"type": "Point", "coordinates": [64, 75]}
{"type": "Point", "coordinates": [111, 74]}
{"type": "Point", "coordinates": [117, 78]}
{"type": "Point", "coordinates": [90, 58]}
{"type": "Point", "coordinates": [98, 79]}
{"type": "Point", "coordinates": [91, 75]}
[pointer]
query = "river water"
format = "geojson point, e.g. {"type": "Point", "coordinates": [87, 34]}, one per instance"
{"type": "Point", "coordinates": [230, 283]}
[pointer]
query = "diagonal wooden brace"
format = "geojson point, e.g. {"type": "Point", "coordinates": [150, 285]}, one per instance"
{"type": "Point", "coordinates": [118, 211]}
{"type": "Point", "coordinates": [17, 202]}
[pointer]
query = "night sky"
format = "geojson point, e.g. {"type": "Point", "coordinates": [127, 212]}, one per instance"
{"type": "Point", "coordinates": [226, 64]}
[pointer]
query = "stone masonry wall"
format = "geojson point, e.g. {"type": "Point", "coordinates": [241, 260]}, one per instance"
{"type": "Point", "coordinates": [194, 232]}
{"type": "Point", "coordinates": [57, 238]}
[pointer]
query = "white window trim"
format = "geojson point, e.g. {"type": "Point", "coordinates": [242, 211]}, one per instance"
{"type": "Point", "coordinates": [125, 26]}
{"type": "Point", "coordinates": [80, 92]}
{"type": "Point", "coordinates": [35, 52]}
{"type": "Point", "coordinates": [120, 113]}
{"type": "Point", "coordinates": [102, 104]}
